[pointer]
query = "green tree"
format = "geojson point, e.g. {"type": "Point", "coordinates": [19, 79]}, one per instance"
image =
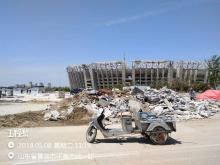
{"type": "Point", "coordinates": [214, 70]}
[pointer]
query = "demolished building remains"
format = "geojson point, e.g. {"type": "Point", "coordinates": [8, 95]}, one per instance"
{"type": "Point", "coordinates": [164, 103]}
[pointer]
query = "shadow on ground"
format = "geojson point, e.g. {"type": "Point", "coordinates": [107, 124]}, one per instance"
{"type": "Point", "coordinates": [142, 140]}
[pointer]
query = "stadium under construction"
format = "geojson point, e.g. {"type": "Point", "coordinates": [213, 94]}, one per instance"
{"type": "Point", "coordinates": [121, 73]}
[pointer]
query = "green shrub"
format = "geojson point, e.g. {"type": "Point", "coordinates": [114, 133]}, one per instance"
{"type": "Point", "coordinates": [200, 86]}
{"type": "Point", "coordinates": [178, 85]}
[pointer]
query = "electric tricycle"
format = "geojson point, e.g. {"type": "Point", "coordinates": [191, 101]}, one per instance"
{"type": "Point", "coordinates": [144, 123]}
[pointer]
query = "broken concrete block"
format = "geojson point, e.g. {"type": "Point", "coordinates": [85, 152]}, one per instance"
{"type": "Point", "coordinates": [204, 114]}
{"type": "Point", "coordinates": [158, 110]}
{"type": "Point", "coordinates": [54, 115]}
{"type": "Point", "coordinates": [169, 105]}
{"type": "Point", "coordinates": [47, 116]}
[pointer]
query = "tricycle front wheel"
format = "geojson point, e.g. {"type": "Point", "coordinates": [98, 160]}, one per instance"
{"type": "Point", "coordinates": [91, 134]}
{"type": "Point", "coordinates": [159, 136]}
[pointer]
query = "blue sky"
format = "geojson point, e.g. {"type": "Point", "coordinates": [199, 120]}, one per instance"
{"type": "Point", "coordinates": [40, 38]}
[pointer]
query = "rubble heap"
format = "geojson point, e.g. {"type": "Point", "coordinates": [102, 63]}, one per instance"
{"type": "Point", "coordinates": [164, 102]}
{"type": "Point", "coordinates": [68, 109]}
{"type": "Point", "coordinates": [169, 103]}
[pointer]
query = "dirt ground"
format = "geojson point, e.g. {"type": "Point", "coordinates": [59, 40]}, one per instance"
{"type": "Point", "coordinates": [36, 119]}
{"type": "Point", "coordinates": [79, 116]}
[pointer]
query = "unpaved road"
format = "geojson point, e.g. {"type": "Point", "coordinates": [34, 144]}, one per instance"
{"type": "Point", "coordinates": [13, 108]}
{"type": "Point", "coordinates": [195, 142]}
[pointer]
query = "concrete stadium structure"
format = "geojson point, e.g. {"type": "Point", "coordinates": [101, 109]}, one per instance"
{"type": "Point", "coordinates": [113, 74]}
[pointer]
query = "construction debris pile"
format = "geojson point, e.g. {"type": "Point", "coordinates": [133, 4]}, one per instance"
{"type": "Point", "coordinates": [68, 109]}
{"type": "Point", "coordinates": [164, 102]}
{"type": "Point", "coordinates": [83, 106]}
{"type": "Point", "coordinates": [167, 102]}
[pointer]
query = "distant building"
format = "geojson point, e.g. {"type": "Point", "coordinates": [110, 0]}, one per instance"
{"type": "Point", "coordinates": [41, 84]}
{"type": "Point", "coordinates": [121, 73]}
{"type": "Point", "coordinates": [37, 90]}
{"type": "Point", "coordinates": [6, 91]}
{"type": "Point", "coordinates": [19, 91]}
{"type": "Point", "coordinates": [22, 89]}
{"type": "Point", "coordinates": [49, 85]}
{"type": "Point", "coordinates": [30, 84]}
{"type": "Point", "coordinates": [33, 90]}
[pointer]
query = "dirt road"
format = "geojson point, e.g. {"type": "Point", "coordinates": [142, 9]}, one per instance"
{"type": "Point", "coordinates": [195, 142]}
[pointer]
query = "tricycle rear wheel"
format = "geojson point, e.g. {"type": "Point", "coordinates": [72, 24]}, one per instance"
{"type": "Point", "coordinates": [159, 136]}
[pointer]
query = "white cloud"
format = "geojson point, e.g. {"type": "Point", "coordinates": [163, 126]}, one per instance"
{"type": "Point", "coordinates": [134, 18]}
